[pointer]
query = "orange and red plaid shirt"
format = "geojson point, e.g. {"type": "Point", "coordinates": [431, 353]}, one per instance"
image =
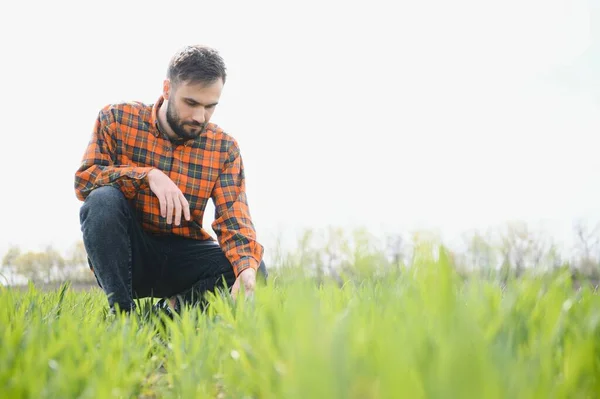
{"type": "Point", "coordinates": [126, 144]}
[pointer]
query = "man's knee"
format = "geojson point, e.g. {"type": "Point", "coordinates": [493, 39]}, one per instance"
{"type": "Point", "coordinates": [106, 195]}
{"type": "Point", "coordinates": [103, 202]}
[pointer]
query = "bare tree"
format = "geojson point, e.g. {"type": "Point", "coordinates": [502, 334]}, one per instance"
{"type": "Point", "coordinates": [480, 253]}
{"type": "Point", "coordinates": [522, 248]}
{"type": "Point", "coordinates": [587, 248]}
{"type": "Point", "coordinates": [396, 249]}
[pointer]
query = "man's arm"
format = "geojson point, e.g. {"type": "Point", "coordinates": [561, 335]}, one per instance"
{"type": "Point", "coordinates": [98, 167]}
{"type": "Point", "coordinates": [233, 224]}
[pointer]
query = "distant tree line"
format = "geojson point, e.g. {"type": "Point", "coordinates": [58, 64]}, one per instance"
{"type": "Point", "coordinates": [504, 253]}
{"type": "Point", "coordinates": [46, 267]}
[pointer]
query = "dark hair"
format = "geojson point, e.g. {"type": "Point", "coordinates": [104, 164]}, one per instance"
{"type": "Point", "coordinates": [196, 64]}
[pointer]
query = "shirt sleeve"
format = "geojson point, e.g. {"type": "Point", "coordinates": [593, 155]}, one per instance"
{"type": "Point", "coordinates": [98, 167]}
{"type": "Point", "coordinates": [233, 224]}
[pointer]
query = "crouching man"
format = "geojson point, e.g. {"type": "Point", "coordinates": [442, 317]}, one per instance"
{"type": "Point", "coordinates": [145, 179]}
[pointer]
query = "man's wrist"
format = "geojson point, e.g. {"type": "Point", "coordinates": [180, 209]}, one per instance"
{"type": "Point", "coordinates": [244, 264]}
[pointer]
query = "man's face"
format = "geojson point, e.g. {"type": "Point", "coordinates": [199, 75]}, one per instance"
{"type": "Point", "coordinates": [190, 106]}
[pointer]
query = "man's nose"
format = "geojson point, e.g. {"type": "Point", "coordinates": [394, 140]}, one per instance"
{"type": "Point", "coordinates": [199, 115]}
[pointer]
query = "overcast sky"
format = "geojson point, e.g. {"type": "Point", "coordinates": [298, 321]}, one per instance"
{"type": "Point", "coordinates": [390, 115]}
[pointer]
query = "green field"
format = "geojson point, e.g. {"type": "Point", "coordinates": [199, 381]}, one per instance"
{"type": "Point", "coordinates": [416, 332]}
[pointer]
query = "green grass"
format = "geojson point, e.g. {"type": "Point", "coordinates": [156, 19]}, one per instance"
{"type": "Point", "coordinates": [420, 332]}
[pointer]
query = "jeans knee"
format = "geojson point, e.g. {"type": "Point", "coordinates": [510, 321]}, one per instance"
{"type": "Point", "coordinates": [103, 202]}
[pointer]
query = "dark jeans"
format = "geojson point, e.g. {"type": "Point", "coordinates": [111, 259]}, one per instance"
{"type": "Point", "coordinates": [130, 263]}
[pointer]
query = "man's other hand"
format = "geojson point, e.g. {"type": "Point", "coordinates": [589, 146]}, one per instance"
{"type": "Point", "coordinates": [172, 201]}
{"type": "Point", "coordinates": [247, 279]}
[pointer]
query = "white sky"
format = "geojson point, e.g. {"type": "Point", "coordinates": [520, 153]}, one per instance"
{"type": "Point", "coordinates": [390, 115]}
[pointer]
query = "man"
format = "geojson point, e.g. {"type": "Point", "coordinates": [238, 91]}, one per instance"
{"type": "Point", "coordinates": [145, 179]}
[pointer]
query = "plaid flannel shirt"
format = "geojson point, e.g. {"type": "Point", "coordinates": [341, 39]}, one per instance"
{"type": "Point", "coordinates": [126, 144]}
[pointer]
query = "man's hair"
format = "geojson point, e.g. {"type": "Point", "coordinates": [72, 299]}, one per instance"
{"type": "Point", "coordinates": [196, 64]}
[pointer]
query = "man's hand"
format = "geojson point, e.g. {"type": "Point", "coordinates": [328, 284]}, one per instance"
{"type": "Point", "coordinates": [172, 201]}
{"type": "Point", "coordinates": [247, 278]}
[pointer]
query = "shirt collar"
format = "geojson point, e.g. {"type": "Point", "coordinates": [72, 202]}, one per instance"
{"type": "Point", "coordinates": [154, 116]}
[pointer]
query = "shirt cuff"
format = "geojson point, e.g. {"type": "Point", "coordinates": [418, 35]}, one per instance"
{"type": "Point", "coordinates": [243, 264]}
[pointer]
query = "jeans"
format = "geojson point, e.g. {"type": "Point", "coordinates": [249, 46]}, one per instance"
{"type": "Point", "coordinates": [130, 263]}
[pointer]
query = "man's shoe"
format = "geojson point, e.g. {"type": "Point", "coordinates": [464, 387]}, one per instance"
{"type": "Point", "coordinates": [164, 306]}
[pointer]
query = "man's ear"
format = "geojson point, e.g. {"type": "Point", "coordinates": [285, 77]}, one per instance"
{"type": "Point", "coordinates": [166, 89]}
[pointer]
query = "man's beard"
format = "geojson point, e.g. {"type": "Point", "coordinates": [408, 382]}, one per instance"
{"type": "Point", "coordinates": [178, 126]}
